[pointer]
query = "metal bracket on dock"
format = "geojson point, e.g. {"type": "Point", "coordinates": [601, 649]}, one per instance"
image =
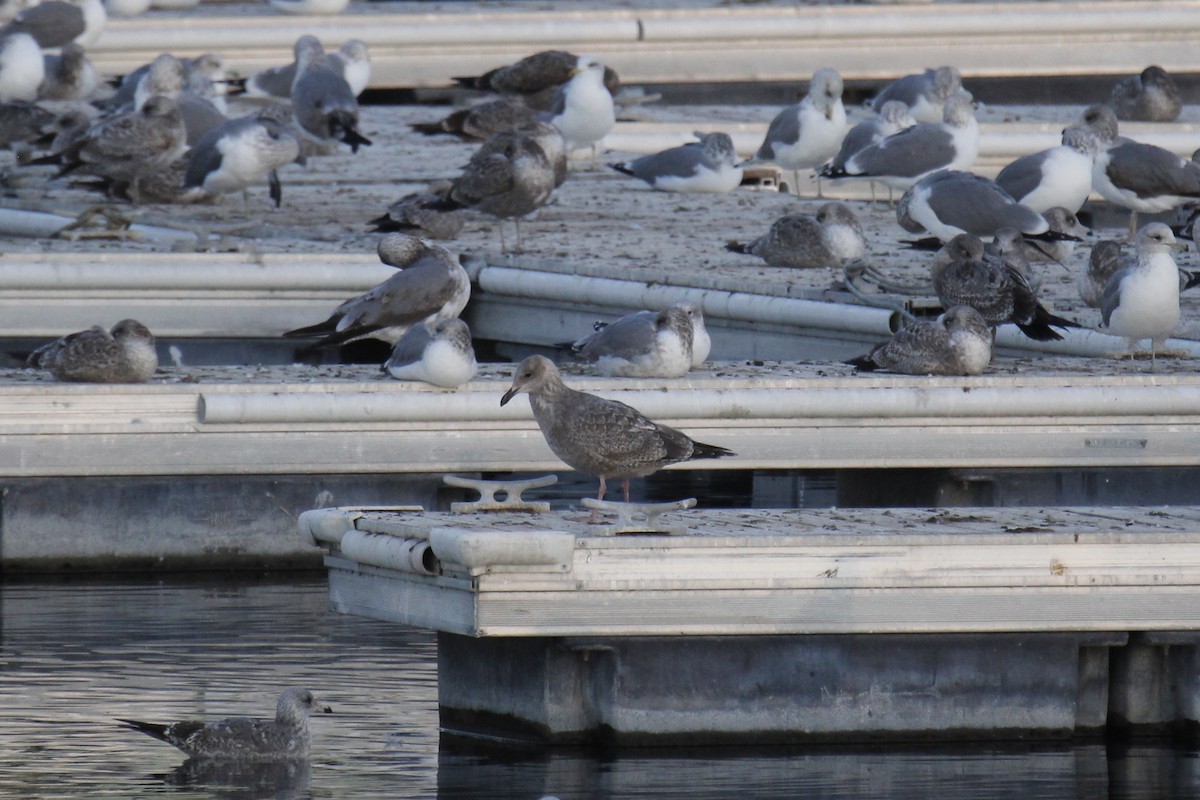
{"type": "Point", "coordinates": [487, 494]}
{"type": "Point", "coordinates": [627, 513]}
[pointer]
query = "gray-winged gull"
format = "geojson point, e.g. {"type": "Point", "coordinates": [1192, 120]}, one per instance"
{"type": "Point", "coordinates": [1143, 178]}
{"type": "Point", "coordinates": [963, 274]}
{"type": "Point", "coordinates": [830, 239]}
{"type": "Point", "coordinates": [535, 79]}
{"type": "Point", "coordinates": [430, 286]}
{"type": "Point", "coordinates": [1057, 177]}
{"type": "Point", "coordinates": [323, 103]}
{"type": "Point", "coordinates": [131, 146]}
{"type": "Point", "coordinates": [1151, 96]}
{"type": "Point", "coordinates": [905, 157]}
{"type": "Point", "coordinates": [169, 77]}
{"type": "Point", "coordinates": [284, 737]}
{"type": "Point", "coordinates": [1141, 301]}
{"type": "Point", "coordinates": [959, 342]}
{"type": "Point", "coordinates": [24, 122]}
{"type": "Point", "coordinates": [583, 107]}
{"type": "Point", "coordinates": [951, 202]}
{"type": "Point", "coordinates": [124, 355]}
{"type": "Point", "coordinates": [22, 69]}
{"type": "Point", "coordinates": [508, 177]}
{"type": "Point", "coordinates": [241, 153]}
{"type": "Point", "coordinates": [892, 117]}
{"type": "Point", "coordinates": [54, 23]}
{"type": "Point", "coordinates": [69, 75]}
{"type": "Point", "coordinates": [809, 133]}
{"type": "Point", "coordinates": [644, 344]}
{"type": "Point", "coordinates": [924, 93]}
{"type": "Point", "coordinates": [600, 437]}
{"type": "Point", "coordinates": [440, 354]}
{"type": "Point", "coordinates": [1070, 230]}
{"type": "Point", "coordinates": [422, 213]}
{"type": "Point", "coordinates": [709, 165]}
{"type": "Point", "coordinates": [277, 82]}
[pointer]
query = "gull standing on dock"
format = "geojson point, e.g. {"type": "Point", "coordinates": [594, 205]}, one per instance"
{"type": "Point", "coordinates": [709, 165]}
{"type": "Point", "coordinates": [1106, 259]}
{"type": "Point", "coordinates": [924, 94]}
{"type": "Point", "coordinates": [22, 69]}
{"type": "Point", "coordinates": [430, 286]}
{"type": "Point", "coordinates": [508, 177]}
{"type": "Point", "coordinates": [130, 147]}
{"type": "Point", "coordinates": [959, 342]}
{"type": "Point", "coordinates": [583, 107]}
{"type": "Point", "coordinates": [239, 154]}
{"type": "Point", "coordinates": [963, 274]}
{"type": "Point", "coordinates": [832, 238]}
{"type": "Point", "coordinates": [1151, 96]}
{"type": "Point", "coordinates": [124, 355]}
{"type": "Point", "coordinates": [1141, 177]}
{"type": "Point", "coordinates": [244, 738]}
{"type": "Point", "coordinates": [481, 121]}
{"type": "Point", "coordinates": [950, 202]}
{"type": "Point", "coordinates": [892, 117]}
{"type": "Point", "coordinates": [1057, 177]}
{"type": "Point", "coordinates": [809, 133]}
{"type": "Point", "coordinates": [323, 103]}
{"type": "Point", "coordinates": [600, 437]}
{"type": "Point", "coordinates": [169, 77]}
{"type": "Point", "coordinates": [440, 354]}
{"type": "Point", "coordinates": [645, 344]}
{"type": "Point", "coordinates": [1141, 301]}
{"type": "Point", "coordinates": [905, 157]}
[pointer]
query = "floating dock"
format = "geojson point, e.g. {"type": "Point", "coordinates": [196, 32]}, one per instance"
{"type": "Point", "coordinates": [778, 626]}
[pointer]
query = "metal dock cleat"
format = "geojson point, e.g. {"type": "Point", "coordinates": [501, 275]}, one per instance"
{"type": "Point", "coordinates": [629, 513]}
{"type": "Point", "coordinates": [510, 489]}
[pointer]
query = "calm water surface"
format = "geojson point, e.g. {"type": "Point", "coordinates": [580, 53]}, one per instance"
{"type": "Point", "coordinates": [73, 656]}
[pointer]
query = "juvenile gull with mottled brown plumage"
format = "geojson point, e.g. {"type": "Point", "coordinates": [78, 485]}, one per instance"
{"type": "Point", "coordinates": [244, 738]}
{"type": "Point", "coordinates": [597, 436]}
{"type": "Point", "coordinates": [124, 355]}
{"type": "Point", "coordinates": [830, 239]}
{"type": "Point", "coordinates": [959, 342]}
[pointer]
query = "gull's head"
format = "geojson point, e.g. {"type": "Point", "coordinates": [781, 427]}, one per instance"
{"type": "Point", "coordinates": [1157, 237]}
{"type": "Point", "coordinates": [533, 374]}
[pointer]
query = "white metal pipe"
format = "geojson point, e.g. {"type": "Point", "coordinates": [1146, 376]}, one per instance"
{"type": "Point", "coordinates": [326, 525]}
{"type": "Point", "coordinates": [800, 403]}
{"type": "Point", "coordinates": [37, 224]}
{"type": "Point", "coordinates": [762, 309]}
{"type": "Point", "coordinates": [392, 552]}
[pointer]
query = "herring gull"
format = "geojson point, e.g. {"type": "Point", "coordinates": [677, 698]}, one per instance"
{"type": "Point", "coordinates": [1057, 177]}
{"type": "Point", "coordinates": [809, 133]}
{"type": "Point", "coordinates": [1151, 96]}
{"type": "Point", "coordinates": [709, 165]}
{"type": "Point", "coordinates": [959, 342]}
{"type": "Point", "coordinates": [924, 93]}
{"type": "Point", "coordinates": [832, 238]}
{"type": "Point", "coordinates": [239, 154]}
{"type": "Point", "coordinates": [284, 737]}
{"type": "Point", "coordinates": [644, 344]}
{"type": "Point", "coordinates": [124, 355]}
{"type": "Point", "coordinates": [600, 437]}
{"type": "Point", "coordinates": [1141, 301]}
{"type": "Point", "coordinates": [440, 354]}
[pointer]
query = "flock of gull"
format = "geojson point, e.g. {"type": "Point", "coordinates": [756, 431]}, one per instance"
{"type": "Point", "coordinates": [164, 135]}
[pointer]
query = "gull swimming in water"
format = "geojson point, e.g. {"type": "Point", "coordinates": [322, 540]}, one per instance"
{"type": "Point", "coordinates": [709, 165]}
{"type": "Point", "coordinates": [809, 133]}
{"type": "Point", "coordinates": [597, 436]}
{"type": "Point", "coordinates": [909, 155]}
{"type": "Point", "coordinates": [430, 286]}
{"type": "Point", "coordinates": [832, 238]}
{"type": "Point", "coordinates": [924, 93]}
{"type": "Point", "coordinates": [124, 355]}
{"type": "Point", "coordinates": [1057, 177]}
{"type": "Point", "coordinates": [1141, 301]}
{"type": "Point", "coordinates": [963, 274]}
{"type": "Point", "coordinates": [440, 354]}
{"type": "Point", "coordinates": [284, 737]}
{"type": "Point", "coordinates": [643, 345]}
{"type": "Point", "coordinates": [959, 342]}
{"type": "Point", "coordinates": [1151, 96]}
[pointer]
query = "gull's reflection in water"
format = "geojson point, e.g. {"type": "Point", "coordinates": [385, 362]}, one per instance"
{"type": "Point", "coordinates": [245, 780]}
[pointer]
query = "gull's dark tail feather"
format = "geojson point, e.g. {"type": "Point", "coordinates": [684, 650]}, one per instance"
{"type": "Point", "coordinates": [1193, 279]}
{"type": "Point", "coordinates": [735, 246]}
{"type": "Point", "coordinates": [928, 243]}
{"type": "Point", "coordinates": [1038, 328]}
{"type": "Point", "coordinates": [620, 167]}
{"type": "Point", "coordinates": [830, 171]}
{"type": "Point", "coordinates": [149, 728]}
{"type": "Point", "coordinates": [863, 363]}
{"type": "Point", "coordinates": [701, 450]}
{"type": "Point", "coordinates": [343, 125]}
{"type": "Point", "coordinates": [1051, 236]}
